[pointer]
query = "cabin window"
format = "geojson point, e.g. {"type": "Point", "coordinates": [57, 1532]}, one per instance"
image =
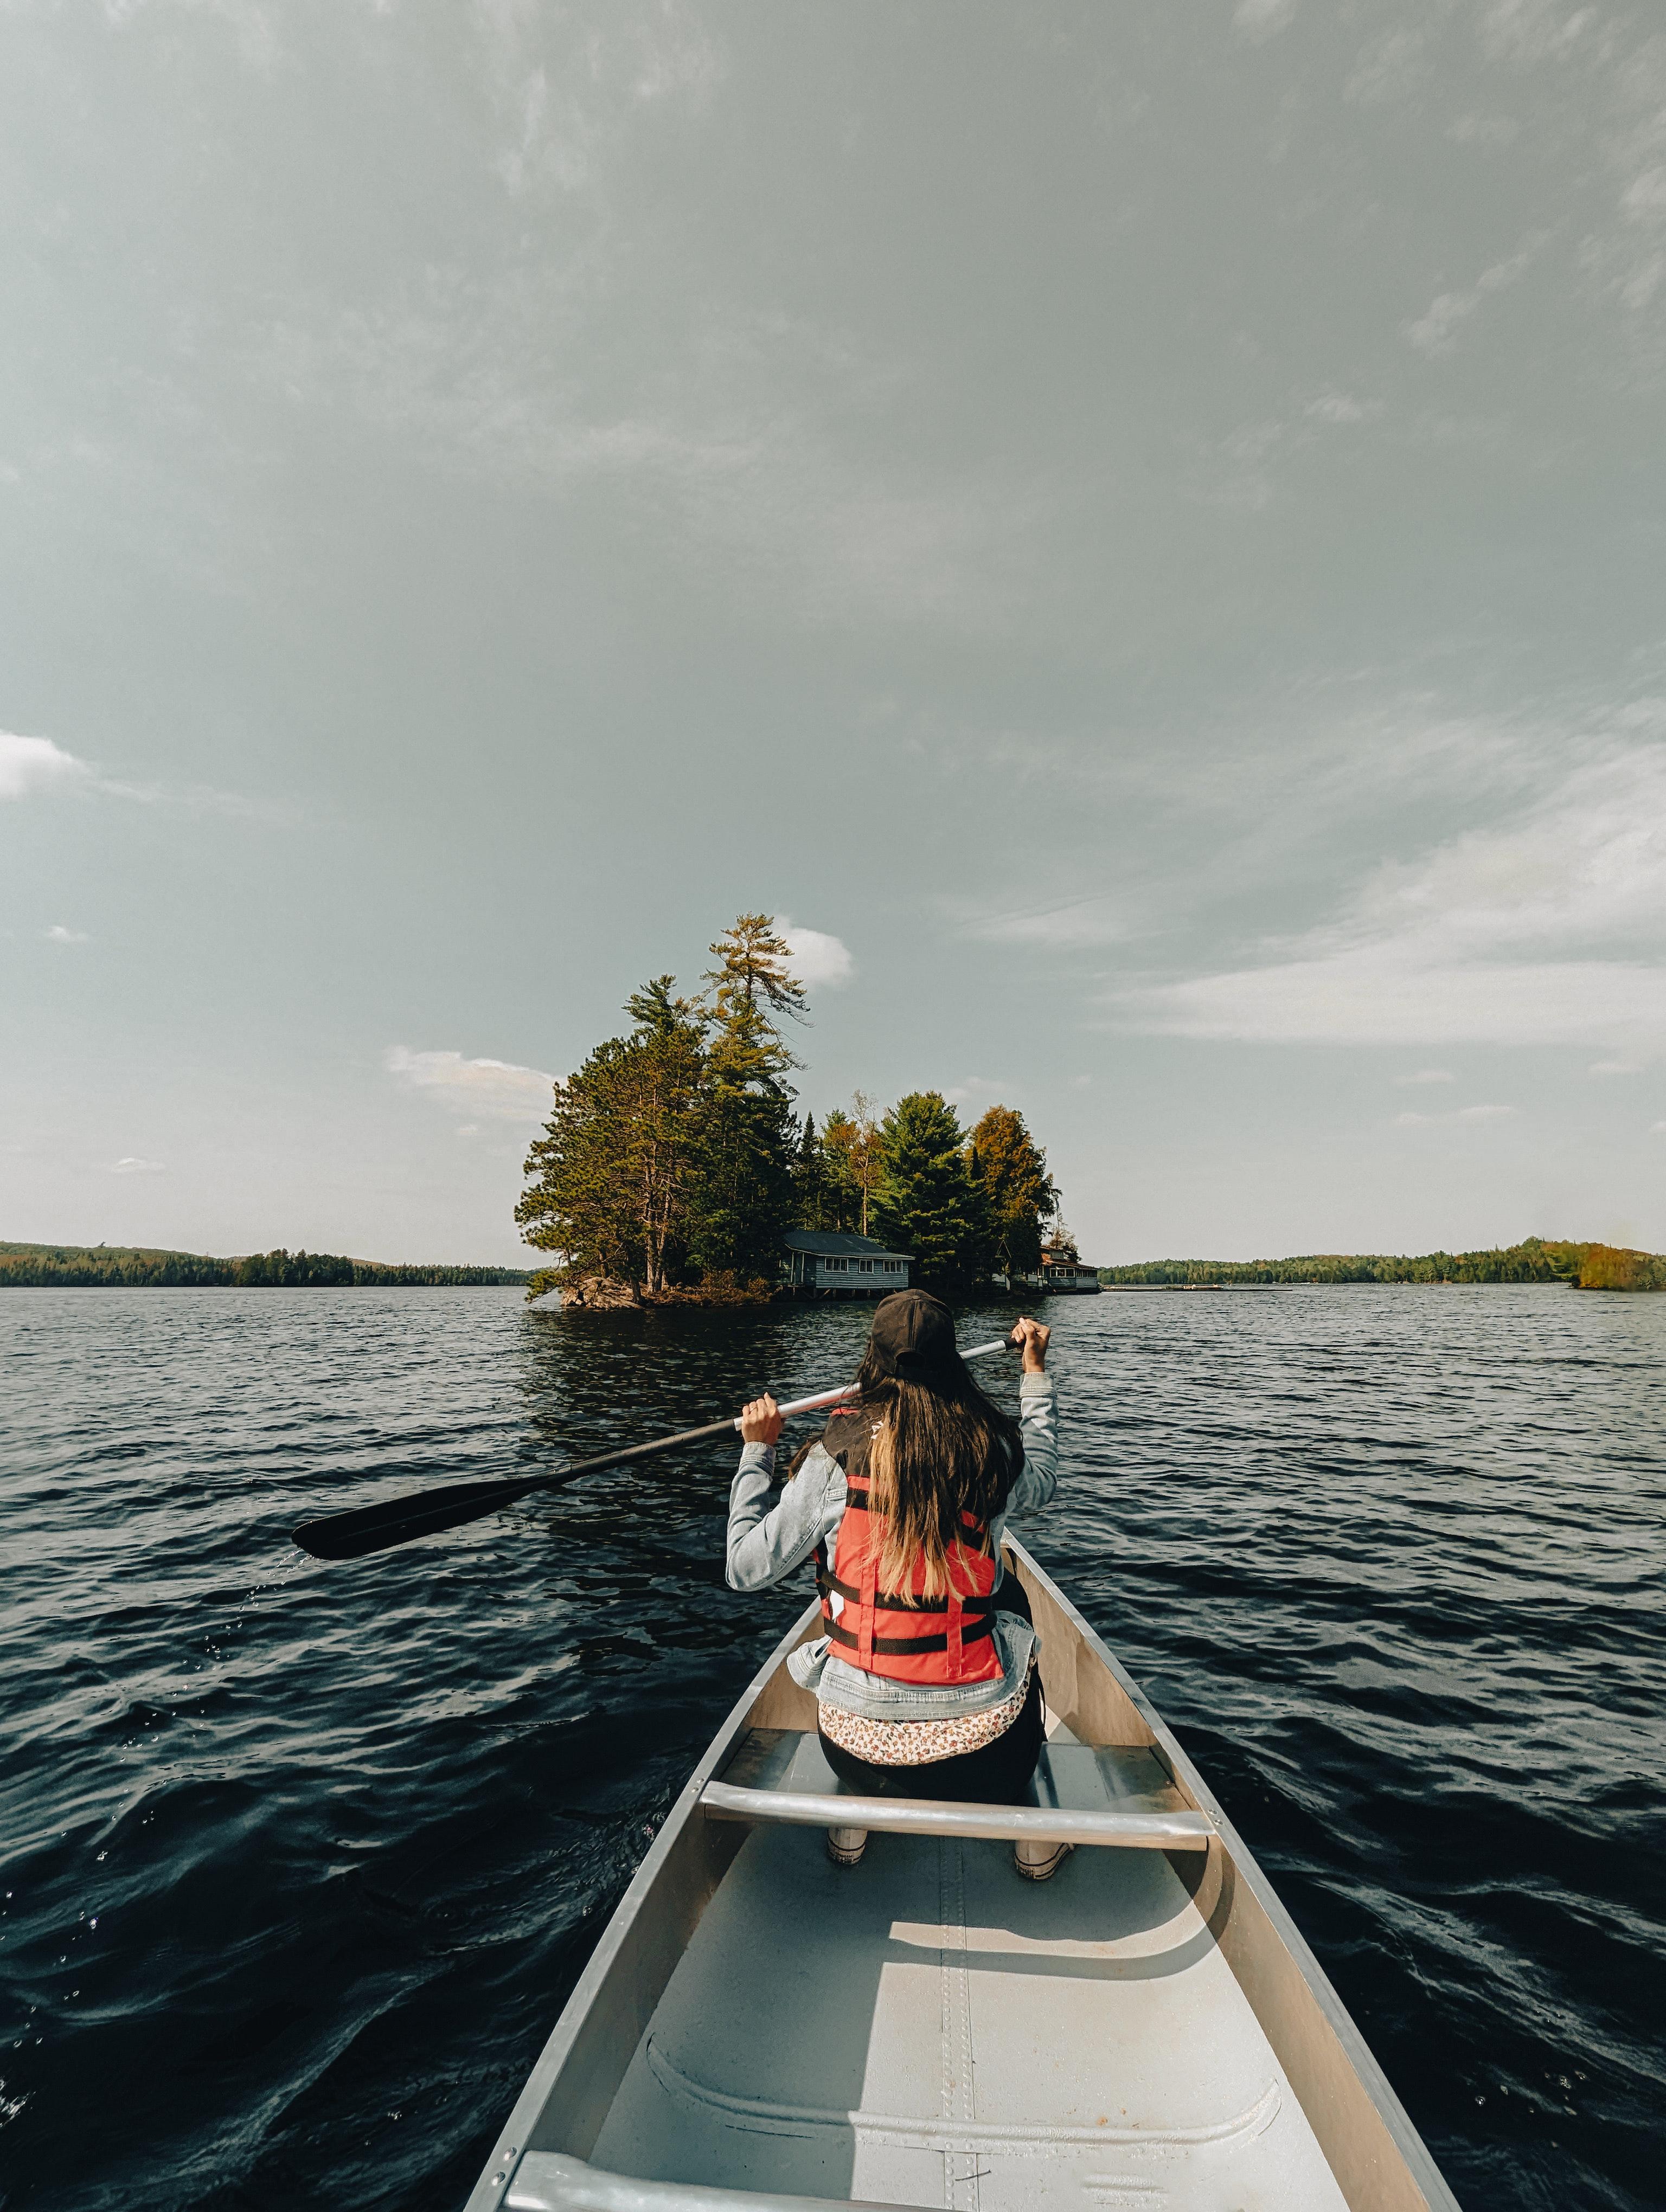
{"type": "Point", "coordinates": [834, 1266]}
{"type": "Point", "coordinates": [864, 1267]}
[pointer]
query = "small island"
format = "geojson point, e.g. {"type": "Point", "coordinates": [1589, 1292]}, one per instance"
{"type": "Point", "coordinates": [675, 1165]}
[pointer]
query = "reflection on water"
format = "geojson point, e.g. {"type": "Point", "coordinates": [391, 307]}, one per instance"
{"type": "Point", "coordinates": [300, 1860]}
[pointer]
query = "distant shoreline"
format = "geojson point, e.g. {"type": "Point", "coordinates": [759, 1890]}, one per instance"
{"type": "Point", "coordinates": [143, 1267]}
{"type": "Point", "coordinates": [1579, 1266]}
{"type": "Point", "coordinates": [1355, 1282]}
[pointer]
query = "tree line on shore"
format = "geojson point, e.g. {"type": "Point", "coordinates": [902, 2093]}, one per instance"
{"type": "Point", "coordinates": [675, 1159]}
{"type": "Point", "coordinates": [75, 1266]}
{"type": "Point", "coordinates": [1536, 1260]}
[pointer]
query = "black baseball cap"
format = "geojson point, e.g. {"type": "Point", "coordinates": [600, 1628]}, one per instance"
{"type": "Point", "coordinates": [913, 1331]}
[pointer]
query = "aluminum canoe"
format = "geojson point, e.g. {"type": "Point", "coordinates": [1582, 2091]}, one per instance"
{"type": "Point", "coordinates": [759, 2030]}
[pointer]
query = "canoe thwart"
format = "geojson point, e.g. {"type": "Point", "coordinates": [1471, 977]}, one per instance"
{"type": "Point", "coordinates": [1111, 1795]}
{"type": "Point", "coordinates": [926, 1816]}
{"type": "Point", "coordinates": [545, 2181]}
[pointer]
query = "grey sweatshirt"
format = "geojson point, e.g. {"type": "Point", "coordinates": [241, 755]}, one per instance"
{"type": "Point", "coordinates": [767, 1544]}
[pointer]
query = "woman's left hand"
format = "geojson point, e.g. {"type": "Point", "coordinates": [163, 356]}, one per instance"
{"type": "Point", "coordinates": [761, 1421]}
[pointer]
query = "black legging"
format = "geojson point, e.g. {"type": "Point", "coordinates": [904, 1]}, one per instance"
{"type": "Point", "coordinates": [997, 1773]}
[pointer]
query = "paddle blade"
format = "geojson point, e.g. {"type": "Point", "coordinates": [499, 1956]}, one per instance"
{"type": "Point", "coordinates": [402, 1520]}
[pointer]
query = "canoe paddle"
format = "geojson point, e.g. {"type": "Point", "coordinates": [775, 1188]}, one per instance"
{"type": "Point", "coordinates": [426, 1512]}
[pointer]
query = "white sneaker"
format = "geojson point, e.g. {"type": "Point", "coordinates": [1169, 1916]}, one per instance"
{"type": "Point", "coordinates": [1040, 1862]}
{"type": "Point", "coordinates": [845, 1846]}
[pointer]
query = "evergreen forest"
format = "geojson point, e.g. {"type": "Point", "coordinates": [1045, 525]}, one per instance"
{"type": "Point", "coordinates": [54, 1267]}
{"type": "Point", "coordinates": [1536, 1260]}
{"type": "Point", "coordinates": [676, 1158]}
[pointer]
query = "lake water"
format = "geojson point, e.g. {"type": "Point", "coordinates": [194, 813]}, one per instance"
{"type": "Point", "coordinates": [301, 1861]}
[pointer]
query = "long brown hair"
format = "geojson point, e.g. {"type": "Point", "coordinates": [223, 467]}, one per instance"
{"type": "Point", "coordinates": [935, 1448]}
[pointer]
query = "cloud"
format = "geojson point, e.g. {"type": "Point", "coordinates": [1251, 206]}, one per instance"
{"type": "Point", "coordinates": [203, 799]}
{"type": "Point", "coordinates": [1388, 994]}
{"type": "Point", "coordinates": [570, 92]}
{"type": "Point", "coordinates": [1533, 30]}
{"type": "Point", "coordinates": [57, 934]}
{"type": "Point", "coordinates": [132, 1165]}
{"type": "Point", "coordinates": [1070, 925]}
{"type": "Point", "coordinates": [1615, 202]}
{"type": "Point", "coordinates": [1428, 1075]}
{"type": "Point", "coordinates": [1483, 131]}
{"type": "Point", "coordinates": [496, 1089]}
{"type": "Point", "coordinates": [1615, 1067]}
{"type": "Point", "coordinates": [1463, 1114]}
{"type": "Point", "coordinates": [1432, 333]}
{"type": "Point", "coordinates": [252, 25]}
{"type": "Point", "coordinates": [1645, 197]}
{"type": "Point", "coordinates": [29, 765]}
{"type": "Point", "coordinates": [1262, 18]}
{"type": "Point", "coordinates": [1342, 407]}
{"type": "Point", "coordinates": [1543, 930]}
{"type": "Point", "coordinates": [741, 463]}
{"type": "Point", "coordinates": [1657, 1128]}
{"type": "Point", "coordinates": [33, 764]}
{"type": "Point", "coordinates": [819, 961]}
{"type": "Point", "coordinates": [1388, 69]}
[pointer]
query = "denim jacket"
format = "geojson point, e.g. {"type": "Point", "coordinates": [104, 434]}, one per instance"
{"type": "Point", "coordinates": [769, 1543]}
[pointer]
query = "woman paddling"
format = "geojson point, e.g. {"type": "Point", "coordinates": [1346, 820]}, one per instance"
{"type": "Point", "coordinates": [926, 1678]}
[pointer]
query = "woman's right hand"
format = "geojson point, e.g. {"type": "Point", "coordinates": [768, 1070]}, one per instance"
{"type": "Point", "coordinates": [1032, 1339]}
{"type": "Point", "coordinates": [761, 1421]}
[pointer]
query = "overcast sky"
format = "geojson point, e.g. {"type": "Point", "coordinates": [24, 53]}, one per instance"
{"type": "Point", "coordinates": [1139, 527]}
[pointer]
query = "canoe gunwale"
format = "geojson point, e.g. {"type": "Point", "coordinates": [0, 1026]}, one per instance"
{"type": "Point", "coordinates": [1233, 1867]}
{"type": "Point", "coordinates": [684, 1825]}
{"type": "Point", "coordinates": [1380, 2161]}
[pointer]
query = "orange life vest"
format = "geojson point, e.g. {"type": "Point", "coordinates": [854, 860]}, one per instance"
{"type": "Point", "coordinates": [946, 1639]}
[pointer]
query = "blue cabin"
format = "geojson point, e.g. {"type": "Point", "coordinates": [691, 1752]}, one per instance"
{"type": "Point", "coordinates": [835, 1263]}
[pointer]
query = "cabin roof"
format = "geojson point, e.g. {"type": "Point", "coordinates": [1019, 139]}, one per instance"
{"type": "Point", "coordinates": [838, 1243]}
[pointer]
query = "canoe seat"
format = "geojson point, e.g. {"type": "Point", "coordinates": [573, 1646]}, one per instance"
{"type": "Point", "coordinates": [1109, 1795]}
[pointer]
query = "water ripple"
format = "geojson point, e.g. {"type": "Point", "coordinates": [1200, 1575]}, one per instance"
{"type": "Point", "coordinates": [300, 1861]}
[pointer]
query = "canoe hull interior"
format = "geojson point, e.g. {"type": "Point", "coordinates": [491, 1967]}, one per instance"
{"type": "Point", "coordinates": [758, 2028]}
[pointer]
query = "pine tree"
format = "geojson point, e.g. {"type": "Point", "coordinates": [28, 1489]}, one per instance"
{"type": "Point", "coordinates": [743, 1204]}
{"type": "Point", "coordinates": [926, 1204]}
{"type": "Point", "coordinates": [810, 1191]}
{"type": "Point", "coordinates": [841, 1198]}
{"type": "Point", "coordinates": [614, 1170]}
{"type": "Point", "coordinates": [868, 1152]}
{"type": "Point", "coordinates": [753, 966]}
{"type": "Point", "coordinates": [668, 1079]}
{"type": "Point", "coordinates": [1010, 1169]}
{"type": "Point", "coordinates": [852, 1152]}
{"type": "Point", "coordinates": [574, 1205]}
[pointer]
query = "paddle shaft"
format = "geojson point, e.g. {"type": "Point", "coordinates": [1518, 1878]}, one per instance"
{"type": "Point", "coordinates": [397, 1521]}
